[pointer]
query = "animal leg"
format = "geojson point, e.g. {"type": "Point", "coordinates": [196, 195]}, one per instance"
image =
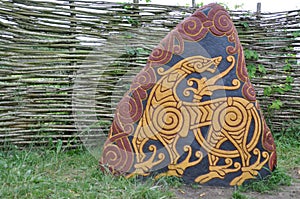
{"type": "Point", "coordinates": [250, 172]}
{"type": "Point", "coordinates": [177, 169]}
{"type": "Point", "coordinates": [144, 167]}
{"type": "Point", "coordinates": [218, 171]}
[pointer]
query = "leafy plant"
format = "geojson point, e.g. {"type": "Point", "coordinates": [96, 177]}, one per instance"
{"type": "Point", "coordinates": [281, 89]}
{"type": "Point", "coordinates": [268, 91]}
{"type": "Point", "coordinates": [132, 21]}
{"type": "Point", "coordinates": [251, 55]}
{"type": "Point", "coordinates": [251, 68]}
{"type": "Point", "coordinates": [135, 52]}
{"type": "Point", "coordinates": [245, 25]}
{"type": "Point", "coordinates": [239, 6]}
{"type": "Point", "coordinates": [278, 178]}
{"type": "Point", "coordinates": [59, 146]}
{"type": "Point", "coordinates": [262, 69]}
{"type": "Point", "coordinates": [238, 195]}
{"type": "Point", "coordinates": [127, 7]}
{"type": "Point", "coordinates": [296, 34]}
{"type": "Point", "coordinates": [276, 104]}
{"type": "Point", "coordinates": [287, 67]}
{"type": "Point", "coordinates": [200, 4]}
{"type": "Point", "coordinates": [289, 79]}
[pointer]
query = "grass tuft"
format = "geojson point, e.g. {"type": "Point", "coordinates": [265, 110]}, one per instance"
{"type": "Point", "coordinates": [238, 195]}
{"type": "Point", "coordinates": [174, 182]}
{"type": "Point", "coordinates": [288, 152]}
{"type": "Point", "coordinates": [273, 182]}
{"type": "Point", "coordinates": [68, 174]}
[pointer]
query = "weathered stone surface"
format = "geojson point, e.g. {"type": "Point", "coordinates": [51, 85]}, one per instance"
{"type": "Point", "coordinates": [192, 111]}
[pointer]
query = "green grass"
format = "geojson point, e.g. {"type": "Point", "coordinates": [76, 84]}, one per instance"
{"type": "Point", "coordinates": [238, 195]}
{"type": "Point", "coordinates": [55, 173]}
{"type": "Point", "coordinates": [288, 146]}
{"type": "Point", "coordinates": [288, 157]}
{"type": "Point", "coordinates": [70, 174]}
{"type": "Point", "coordinates": [273, 182]}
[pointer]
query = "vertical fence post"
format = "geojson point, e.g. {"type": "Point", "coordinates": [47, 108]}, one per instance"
{"type": "Point", "coordinates": [193, 3]}
{"type": "Point", "coordinates": [72, 25]}
{"type": "Point", "coordinates": [135, 2]}
{"type": "Point", "coordinates": [258, 10]}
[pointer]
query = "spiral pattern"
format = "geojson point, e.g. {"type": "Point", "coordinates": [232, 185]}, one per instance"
{"type": "Point", "coordinates": [273, 161]}
{"type": "Point", "coordinates": [172, 44]}
{"type": "Point", "coordinates": [192, 29]}
{"type": "Point", "coordinates": [248, 91]}
{"type": "Point", "coordinates": [145, 80]}
{"type": "Point", "coordinates": [232, 118]}
{"type": "Point", "coordinates": [167, 120]}
{"type": "Point", "coordinates": [268, 140]}
{"type": "Point", "coordinates": [222, 23]}
{"type": "Point", "coordinates": [130, 109]}
{"type": "Point", "coordinates": [160, 55]}
{"type": "Point", "coordinates": [117, 157]}
{"type": "Point", "coordinates": [233, 49]}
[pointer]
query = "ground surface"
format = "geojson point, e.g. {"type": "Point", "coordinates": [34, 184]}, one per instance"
{"type": "Point", "coordinates": [204, 192]}
{"type": "Point", "coordinates": [52, 172]}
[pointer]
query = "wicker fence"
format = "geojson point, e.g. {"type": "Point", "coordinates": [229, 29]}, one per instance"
{"type": "Point", "coordinates": [65, 64]}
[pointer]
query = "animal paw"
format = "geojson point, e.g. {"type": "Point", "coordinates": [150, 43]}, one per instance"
{"type": "Point", "coordinates": [240, 179]}
{"type": "Point", "coordinates": [207, 177]}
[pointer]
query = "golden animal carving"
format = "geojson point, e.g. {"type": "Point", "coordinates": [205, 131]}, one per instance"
{"type": "Point", "coordinates": [167, 118]}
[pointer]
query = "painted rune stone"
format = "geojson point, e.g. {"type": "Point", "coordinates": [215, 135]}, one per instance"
{"type": "Point", "coordinates": [192, 111]}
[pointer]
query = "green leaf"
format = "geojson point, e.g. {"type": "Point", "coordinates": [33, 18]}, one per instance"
{"type": "Point", "coordinates": [251, 70]}
{"type": "Point", "coordinates": [288, 87]}
{"type": "Point", "coordinates": [200, 4]}
{"type": "Point", "coordinates": [276, 104]}
{"type": "Point", "coordinates": [141, 51]}
{"type": "Point", "coordinates": [296, 34]}
{"type": "Point", "coordinates": [287, 67]}
{"type": "Point", "coordinates": [245, 25]}
{"type": "Point", "coordinates": [268, 91]}
{"type": "Point", "coordinates": [262, 69]}
{"type": "Point", "coordinates": [251, 55]}
{"type": "Point", "coordinates": [279, 89]}
{"type": "Point", "coordinates": [238, 6]}
{"type": "Point", "coordinates": [289, 79]}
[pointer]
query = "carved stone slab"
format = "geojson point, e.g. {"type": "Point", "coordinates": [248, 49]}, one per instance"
{"type": "Point", "coordinates": [192, 111]}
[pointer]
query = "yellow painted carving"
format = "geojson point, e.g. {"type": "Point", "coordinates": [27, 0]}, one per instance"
{"type": "Point", "coordinates": [179, 168]}
{"type": "Point", "coordinates": [167, 119]}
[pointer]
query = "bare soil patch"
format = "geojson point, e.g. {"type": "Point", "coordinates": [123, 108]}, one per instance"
{"type": "Point", "coordinates": [206, 192]}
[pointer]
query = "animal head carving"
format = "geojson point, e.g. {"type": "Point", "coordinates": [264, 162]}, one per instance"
{"type": "Point", "coordinates": [208, 86]}
{"type": "Point", "coordinates": [201, 64]}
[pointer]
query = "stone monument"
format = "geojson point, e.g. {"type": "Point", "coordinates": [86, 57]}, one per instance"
{"type": "Point", "coordinates": [192, 111]}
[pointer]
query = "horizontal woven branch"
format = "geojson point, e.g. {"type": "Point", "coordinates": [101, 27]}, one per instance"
{"type": "Point", "coordinates": [64, 66]}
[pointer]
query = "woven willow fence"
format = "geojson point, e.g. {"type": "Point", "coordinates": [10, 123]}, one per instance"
{"type": "Point", "coordinates": [64, 65]}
